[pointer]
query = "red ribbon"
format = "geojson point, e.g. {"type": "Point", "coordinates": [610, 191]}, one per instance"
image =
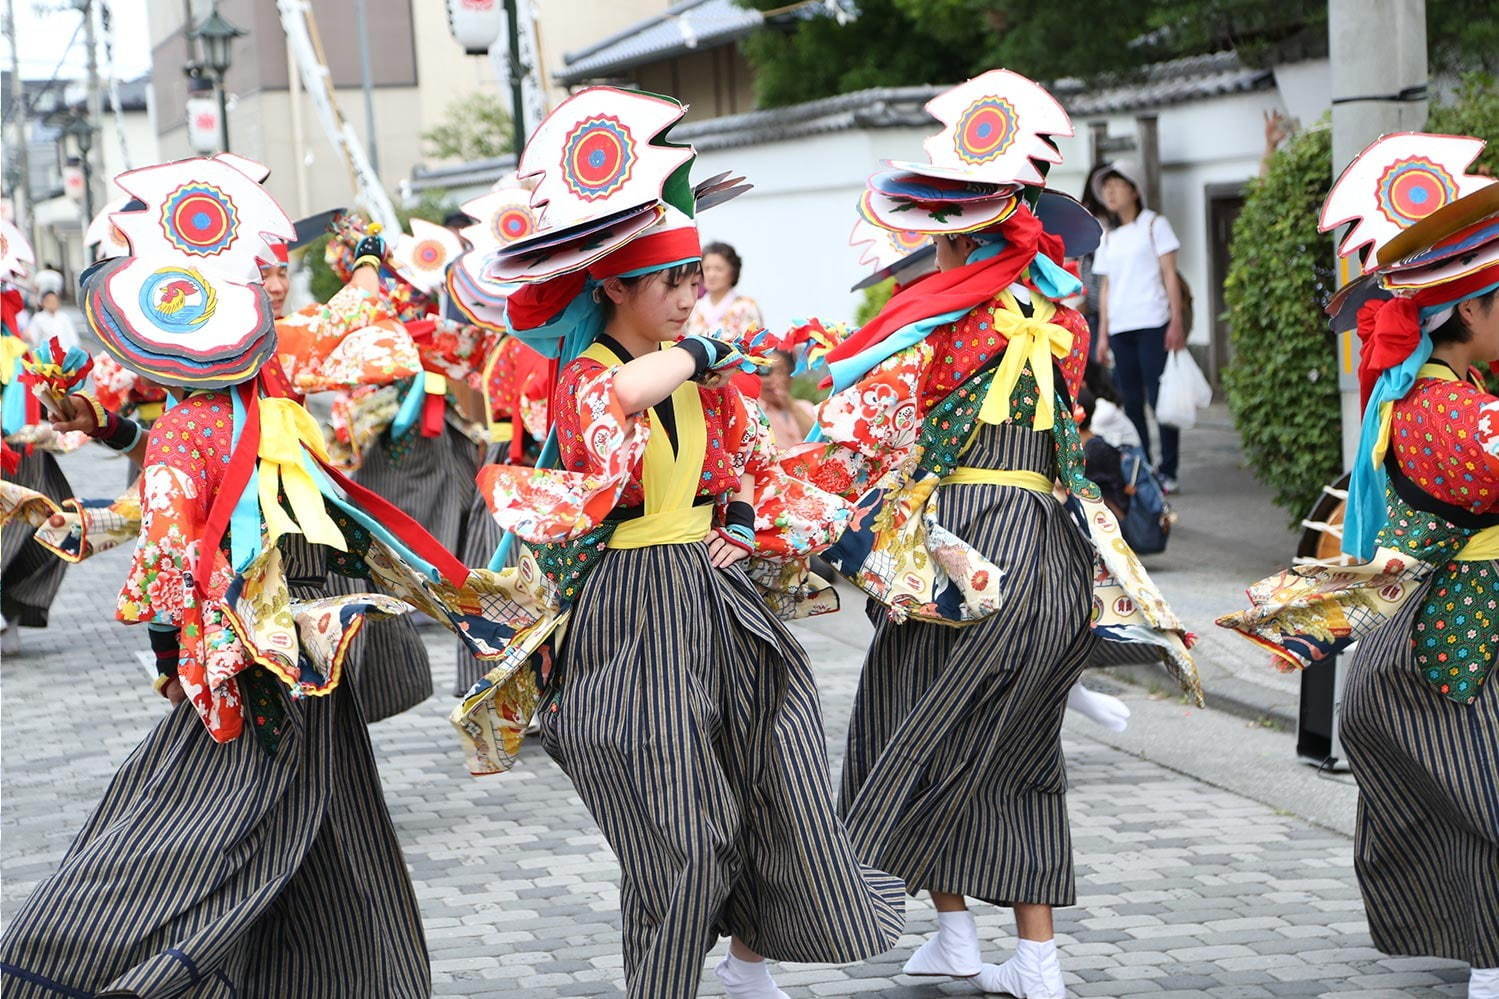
{"type": "Point", "coordinates": [1390, 328]}
{"type": "Point", "coordinates": [961, 288]}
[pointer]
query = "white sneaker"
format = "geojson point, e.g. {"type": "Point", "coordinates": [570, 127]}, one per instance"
{"type": "Point", "coordinates": [10, 640]}
{"type": "Point", "coordinates": [1033, 973]}
{"type": "Point", "coordinates": [747, 979]}
{"type": "Point", "coordinates": [1105, 709]}
{"type": "Point", "coordinates": [954, 950]}
{"type": "Point", "coordinates": [1169, 485]}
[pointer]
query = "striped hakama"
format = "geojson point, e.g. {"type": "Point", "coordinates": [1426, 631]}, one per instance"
{"type": "Point", "coordinates": [954, 779]}
{"type": "Point", "coordinates": [481, 536]}
{"type": "Point", "coordinates": [29, 574]}
{"type": "Point", "coordinates": [217, 869]}
{"type": "Point", "coordinates": [1426, 848]}
{"type": "Point", "coordinates": [432, 479]}
{"type": "Point", "coordinates": [688, 720]}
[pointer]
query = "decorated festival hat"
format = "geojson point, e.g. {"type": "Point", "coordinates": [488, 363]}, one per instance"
{"type": "Point", "coordinates": [15, 252]}
{"type": "Point", "coordinates": [422, 257]}
{"type": "Point", "coordinates": [103, 233]}
{"type": "Point", "coordinates": [897, 253]}
{"type": "Point", "coordinates": [612, 198]}
{"type": "Point", "coordinates": [995, 143]}
{"type": "Point", "coordinates": [185, 305]}
{"type": "Point", "coordinates": [503, 215]}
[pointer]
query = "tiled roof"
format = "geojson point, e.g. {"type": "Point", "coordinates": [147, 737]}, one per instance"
{"type": "Point", "coordinates": [1158, 85]}
{"type": "Point", "coordinates": [692, 24]}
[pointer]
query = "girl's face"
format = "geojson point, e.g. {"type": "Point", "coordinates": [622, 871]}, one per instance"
{"type": "Point", "coordinates": [718, 276]}
{"type": "Point", "coordinates": [653, 307]}
{"type": "Point", "coordinates": [953, 251]}
{"type": "Point", "coordinates": [1482, 319]}
{"type": "Point", "coordinates": [1119, 193]}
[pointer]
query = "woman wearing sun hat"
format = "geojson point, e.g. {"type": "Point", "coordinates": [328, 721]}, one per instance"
{"type": "Point", "coordinates": [1420, 712]}
{"type": "Point", "coordinates": [1141, 301]}
{"type": "Point", "coordinates": [244, 847]}
{"type": "Point", "coordinates": [957, 400]}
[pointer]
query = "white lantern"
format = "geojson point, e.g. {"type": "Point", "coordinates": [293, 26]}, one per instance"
{"type": "Point", "coordinates": [72, 180]}
{"type": "Point", "coordinates": [476, 24]}
{"type": "Point", "coordinates": [203, 124]}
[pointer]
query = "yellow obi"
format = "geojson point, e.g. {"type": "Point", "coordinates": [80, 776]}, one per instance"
{"type": "Point", "coordinates": [964, 476]}
{"type": "Point", "coordinates": [1481, 547]}
{"type": "Point", "coordinates": [668, 476]}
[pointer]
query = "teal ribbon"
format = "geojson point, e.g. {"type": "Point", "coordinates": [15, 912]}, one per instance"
{"type": "Point", "coordinates": [244, 521]}
{"type": "Point", "coordinates": [410, 408]}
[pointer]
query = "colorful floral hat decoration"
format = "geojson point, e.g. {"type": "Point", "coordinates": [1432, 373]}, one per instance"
{"type": "Point", "coordinates": [504, 216]}
{"type": "Point", "coordinates": [16, 257]}
{"type": "Point", "coordinates": [186, 307]}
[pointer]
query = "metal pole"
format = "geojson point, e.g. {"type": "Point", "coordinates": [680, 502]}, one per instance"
{"type": "Point", "coordinates": [1378, 54]}
{"type": "Point", "coordinates": [223, 89]}
{"type": "Point", "coordinates": [517, 76]}
{"type": "Point", "coordinates": [367, 75]}
{"type": "Point", "coordinates": [95, 102]}
{"type": "Point", "coordinates": [22, 193]}
{"type": "Point", "coordinates": [298, 133]}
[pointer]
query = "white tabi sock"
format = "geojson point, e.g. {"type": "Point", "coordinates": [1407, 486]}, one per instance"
{"type": "Point", "coordinates": [1033, 973]}
{"type": "Point", "coordinates": [747, 979]}
{"type": "Point", "coordinates": [1106, 710]}
{"type": "Point", "coordinates": [953, 952]}
{"type": "Point", "coordinates": [1483, 983]}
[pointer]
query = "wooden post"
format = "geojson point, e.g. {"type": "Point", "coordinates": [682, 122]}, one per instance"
{"type": "Point", "coordinates": [1147, 127]}
{"type": "Point", "coordinates": [1098, 137]}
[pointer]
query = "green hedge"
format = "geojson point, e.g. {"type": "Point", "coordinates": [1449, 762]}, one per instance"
{"type": "Point", "coordinates": [1282, 385]}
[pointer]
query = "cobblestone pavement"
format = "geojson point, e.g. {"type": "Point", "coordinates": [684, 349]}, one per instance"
{"type": "Point", "coordinates": [1184, 888]}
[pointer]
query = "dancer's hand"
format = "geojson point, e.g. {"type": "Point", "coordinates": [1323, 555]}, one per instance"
{"type": "Point", "coordinates": [78, 413]}
{"type": "Point", "coordinates": [724, 551]}
{"type": "Point", "coordinates": [173, 692]}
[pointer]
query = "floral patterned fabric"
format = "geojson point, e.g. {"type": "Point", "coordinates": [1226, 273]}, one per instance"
{"type": "Point", "coordinates": [890, 438]}
{"type": "Point", "coordinates": [121, 390]}
{"type": "Point", "coordinates": [562, 513]}
{"type": "Point", "coordinates": [1445, 438]}
{"type": "Point", "coordinates": [229, 621]}
{"type": "Point", "coordinates": [87, 528]}
{"type": "Point", "coordinates": [734, 321]}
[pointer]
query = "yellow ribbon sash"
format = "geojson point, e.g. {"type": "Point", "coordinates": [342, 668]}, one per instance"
{"type": "Point", "coordinates": [1481, 547]}
{"type": "Point", "coordinates": [1021, 479]}
{"type": "Point", "coordinates": [285, 428]}
{"type": "Point", "coordinates": [1032, 339]}
{"type": "Point", "coordinates": [12, 349]}
{"type": "Point", "coordinates": [669, 477]}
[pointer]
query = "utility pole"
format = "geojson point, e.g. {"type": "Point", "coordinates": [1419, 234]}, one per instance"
{"type": "Point", "coordinates": [517, 77]}
{"type": "Point", "coordinates": [95, 101]}
{"type": "Point", "coordinates": [367, 76]}
{"type": "Point", "coordinates": [1378, 54]}
{"type": "Point", "coordinates": [21, 197]}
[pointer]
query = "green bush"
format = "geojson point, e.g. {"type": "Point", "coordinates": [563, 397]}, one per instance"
{"type": "Point", "coordinates": [875, 297]}
{"type": "Point", "coordinates": [1282, 385]}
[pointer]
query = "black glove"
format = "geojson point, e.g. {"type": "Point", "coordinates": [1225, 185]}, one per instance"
{"type": "Point", "coordinates": [371, 248]}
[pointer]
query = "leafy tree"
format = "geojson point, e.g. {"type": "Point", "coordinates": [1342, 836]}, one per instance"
{"type": "Point", "coordinates": [434, 205]}
{"type": "Point", "coordinates": [473, 127]}
{"type": "Point", "coordinates": [912, 42]}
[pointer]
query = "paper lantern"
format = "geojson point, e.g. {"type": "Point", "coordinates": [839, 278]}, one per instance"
{"type": "Point", "coordinates": [476, 24]}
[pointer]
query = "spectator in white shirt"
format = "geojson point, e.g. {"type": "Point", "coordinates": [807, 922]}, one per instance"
{"type": "Point", "coordinates": [1140, 303]}
{"type": "Point", "coordinates": [51, 322]}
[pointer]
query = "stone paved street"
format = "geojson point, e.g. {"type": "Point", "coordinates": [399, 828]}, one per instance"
{"type": "Point", "coordinates": [1209, 862]}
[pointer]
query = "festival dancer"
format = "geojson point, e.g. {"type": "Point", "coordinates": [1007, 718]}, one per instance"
{"type": "Point", "coordinates": [244, 847]}
{"type": "Point", "coordinates": [29, 575]}
{"type": "Point", "coordinates": [958, 398]}
{"type": "Point", "coordinates": [683, 710]}
{"type": "Point", "coordinates": [1419, 722]}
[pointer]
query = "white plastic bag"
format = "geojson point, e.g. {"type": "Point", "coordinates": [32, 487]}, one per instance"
{"type": "Point", "coordinates": [1183, 391]}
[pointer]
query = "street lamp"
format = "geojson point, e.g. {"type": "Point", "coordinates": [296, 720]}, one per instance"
{"type": "Point", "coordinates": [216, 34]}
{"type": "Point", "coordinates": [82, 132]}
